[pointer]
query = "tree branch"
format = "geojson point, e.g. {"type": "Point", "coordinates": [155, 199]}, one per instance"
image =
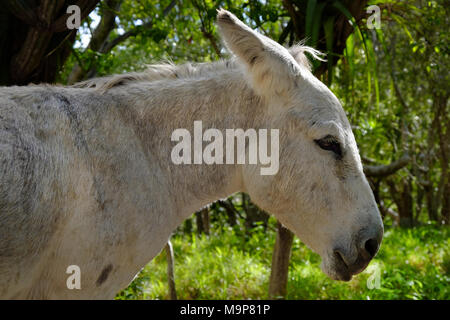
{"type": "Point", "coordinates": [106, 25]}
{"type": "Point", "coordinates": [285, 32]}
{"type": "Point", "coordinates": [108, 46]}
{"type": "Point", "coordinates": [294, 17]}
{"type": "Point", "coordinates": [86, 6]}
{"type": "Point", "coordinates": [388, 211]}
{"type": "Point", "coordinates": [21, 10]}
{"type": "Point", "coordinates": [99, 36]}
{"type": "Point", "coordinates": [169, 7]}
{"type": "Point", "coordinates": [212, 40]}
{"type": "Point", "coordinates": [386, 170]}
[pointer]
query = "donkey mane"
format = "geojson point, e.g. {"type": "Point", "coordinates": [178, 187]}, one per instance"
{"type": "Point", "coordinates": [169, 70]}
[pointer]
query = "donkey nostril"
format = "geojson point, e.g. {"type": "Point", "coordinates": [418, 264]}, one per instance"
{"type": "Point", "coordinates": [371, 247]}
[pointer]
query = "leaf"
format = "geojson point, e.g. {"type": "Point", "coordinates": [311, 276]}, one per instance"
{"type": "Point", "coordinates": [317, 22]}
{"type": "Point", "coordinates": [350, 56]}
{"type": "Point", "coordinates": [328, 30]}
{"type": "Point", "coordinates": [370, 54]}
{"type": "Point", "coordinates": [309, 19]}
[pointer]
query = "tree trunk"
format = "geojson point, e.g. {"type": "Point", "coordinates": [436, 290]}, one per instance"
{"type": "Point", "coordinates": [443, 133]}
{"type": "Point", "coordinates": [188, 226]}
{"type": "Point", "coordinates": [202, 219]}
{"type": "Point", "coordinates": [253, 213]}
{"type": "Point", "coordinates": [403, 200]}
{"type": "Point", "coordinates": [35, 39]}
{"type": "Point", "coordinates": [170, 271]}
{"type": "Point", "coordinates": [206, 222]}
{"type": "Point", "coordinates": [446, 204]}
{"type": "Point", "coordinates": [429, 196]}
{"type": "Point", "coordinates": [230, 210]}
{"type": "Point", "coordinates": [280, 263]}
{"type": "Point", "coordinates": [199, 222]}
{"type": "Point", "coordinates": [232, 220]}
{"type": "Point", "coordinates": [406, 214]}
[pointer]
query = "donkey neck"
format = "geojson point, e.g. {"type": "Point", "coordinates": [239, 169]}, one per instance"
{"type": "Point", "coordinates": [221, 101]}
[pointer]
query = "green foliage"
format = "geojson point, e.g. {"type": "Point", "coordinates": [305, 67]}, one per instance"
{"type": "Point", "coordinates": [412, 264]}
{"type": "Point", "coordinates": [402, 104]}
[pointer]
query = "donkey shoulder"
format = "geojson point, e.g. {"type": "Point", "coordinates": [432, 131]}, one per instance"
{"type": "Point", "coordinates": [27, 211]}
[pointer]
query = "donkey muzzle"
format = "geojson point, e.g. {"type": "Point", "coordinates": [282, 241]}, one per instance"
{"type": "Point", "coordinates": [346, 265]}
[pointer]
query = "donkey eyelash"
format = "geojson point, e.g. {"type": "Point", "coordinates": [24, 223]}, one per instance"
{"type": "Point", "coordinates": [330, 143]}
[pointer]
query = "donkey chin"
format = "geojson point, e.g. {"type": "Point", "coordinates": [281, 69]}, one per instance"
{"type": "Point", "coordinates": [337, 269]}
{"type": "Point", "coordinates": [343, 263]}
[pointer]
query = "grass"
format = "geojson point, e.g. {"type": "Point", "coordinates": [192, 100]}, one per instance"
{"type": "Point", "coordinates": [411, 264]}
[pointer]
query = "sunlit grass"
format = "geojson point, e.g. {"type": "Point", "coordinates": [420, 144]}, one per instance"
{"type": "Point", "coordinates": [411, 264]}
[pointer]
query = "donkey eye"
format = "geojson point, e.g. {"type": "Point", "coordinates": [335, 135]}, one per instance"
{"type": "Point", "coordinates": [331, 144]}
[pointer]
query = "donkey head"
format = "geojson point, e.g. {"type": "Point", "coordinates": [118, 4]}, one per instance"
{"type": "Point", "coordinates": [320, 191]}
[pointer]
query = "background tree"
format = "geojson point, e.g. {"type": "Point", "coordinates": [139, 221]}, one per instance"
{"type": "Point", "coordinates": [35, 40]}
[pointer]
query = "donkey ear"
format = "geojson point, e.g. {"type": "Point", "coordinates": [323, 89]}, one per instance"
{"type": "Point", "coordinates": [271, 66]}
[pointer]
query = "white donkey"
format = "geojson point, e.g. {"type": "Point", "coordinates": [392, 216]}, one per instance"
{"type": "Point", "coordinates": [86, 176]}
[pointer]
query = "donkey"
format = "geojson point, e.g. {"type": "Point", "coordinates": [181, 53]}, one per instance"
{"type": "Point", "coordinates": [87, 179]}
